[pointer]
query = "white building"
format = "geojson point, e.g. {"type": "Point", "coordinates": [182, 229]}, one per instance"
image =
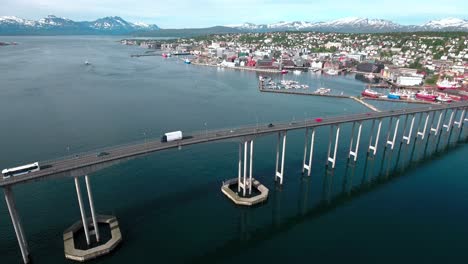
{"type": "Point", "coordinates": [333, 44]}
{"type": "Point", "coordinates": [356, 57]}
{"type": "Point", "coordinates": [410, 80]}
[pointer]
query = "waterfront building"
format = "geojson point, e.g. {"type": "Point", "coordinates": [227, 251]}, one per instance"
{"type": "Point", "coordinates": [410, 80]}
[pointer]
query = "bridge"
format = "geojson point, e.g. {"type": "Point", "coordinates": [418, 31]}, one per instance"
{"type": "Point", "coordinates": [418, 123]}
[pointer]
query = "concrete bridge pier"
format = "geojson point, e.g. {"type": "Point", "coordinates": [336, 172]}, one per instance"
{"type": "Point", "coordinates": [395, 132]}
{"type": "Point", "coordinates": [335, 148]}
{"type": "Point", "coordinates": [407, 137]}
{"type": "Point", "coordinates": [423, 132]}
{"type": "Point", "coordinates": [358, 139]}
{"type": "Point", "coordinates": [373, 146]}
{"type": "Point", "coordinates": [449, 125]}
{"type": "Point", "coordinates": [15, 219]}
{"type": "Point", "coordinates": [245, 181]}
{"type": "Point", "coordinates": [308, 166]}
{"type": "Point", "coordinates": [437, 128]}
{"type": "Point", "coordinates": [93, 250]}
{"type": "Point", "coordinates": [279, 172]}
{"type": "Point", "coordinates": [83, 212]}
{"type": "Point", "coordinates": [459, 123]}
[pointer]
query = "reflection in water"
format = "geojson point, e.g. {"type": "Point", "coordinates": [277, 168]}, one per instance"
{"type": "Point", "coordinates": [368, 169]}
{"type": "Point", "coordinates": [304, 194]}
{"type": "Point", "coordinates": [327, 185]}
{"type": "Point", "coordinates": [389, 171]}
{"type": "Point", "coordinates": [244, 224]}
{"type": "Point", "coordinates": [348, 177]}
{"type": "Point", "coordinates": [276, 212]}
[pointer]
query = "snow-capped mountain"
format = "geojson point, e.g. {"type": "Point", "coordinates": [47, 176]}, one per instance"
{"type": "Point", "coordinates": [58, 26]}
{"type": "Point", "coordinates": [356, 24]}
{"type": "Point", "coordinates": [447, 23]}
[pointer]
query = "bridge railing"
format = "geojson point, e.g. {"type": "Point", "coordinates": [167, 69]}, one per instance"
{"type": "Point", "coordinates": [207, 133]}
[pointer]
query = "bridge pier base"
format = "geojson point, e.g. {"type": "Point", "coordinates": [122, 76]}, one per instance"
{"type": "Point", "coordinates": [351, 144]}
{"type": "Point", "coordinates": [95, 248]}
{"type": "Point", "coordinates": [308, 166]}
{"type": "Point", "coordinates": [245, 182]}
{"type": "Point", "coordinates": [279, 172]}
{"type": "Point", "coordinates": [15, 219]}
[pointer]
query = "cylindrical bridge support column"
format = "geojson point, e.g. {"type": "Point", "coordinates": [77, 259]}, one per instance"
{"type": "Point", "coordinates": [358, 139]}
{"type": "Point", "coordinates": [373, 146]}
{"type": "Point", "coordinates": [423, 132]}
{"type": "Point", "coordinates": [246, 170]}
{"type": "Point", "coordinates": [279, 173]}
{"type": "Point", "coordinates": [82, 211]}
{"type": "Point", "coordinates": [462, 119]}
{"type": "Point", "coordinates": [395, 132]}
{"type": "Point", "coordinates": [337, 137]}
{"type": "Point", "coordinates": [307, 165]}
{"type": "Point", "coordinates": [437, 128]}
{"type": "Point", "coordinates": [91, 206]}
{"type": "Point", "coordinates": [15, 219]}
{"type": "Point", "coordinates": [410, 132]}
{"type": "Point", "coordinates": [449, 125]}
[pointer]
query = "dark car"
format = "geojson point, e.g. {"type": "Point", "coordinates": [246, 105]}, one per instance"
{"type": "Point", "coordinates": [270, 125]}
{"type": "Point", "coordinates": [102, 154]}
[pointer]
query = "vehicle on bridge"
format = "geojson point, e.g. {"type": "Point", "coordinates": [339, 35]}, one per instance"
{"type": "Point", "coordinates": [172, 136]}
{"type": "Point", "coordinates": [21, 170]}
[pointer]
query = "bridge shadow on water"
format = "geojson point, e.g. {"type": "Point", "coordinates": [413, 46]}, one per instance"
{"type": "Point", "coordinates": [376, 174]}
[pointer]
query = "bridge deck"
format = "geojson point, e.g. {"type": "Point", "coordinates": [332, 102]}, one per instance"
{"type": "Point", "coordinates": [88, 163]}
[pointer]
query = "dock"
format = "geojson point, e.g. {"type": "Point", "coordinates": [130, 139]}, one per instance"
{"type": "Point", "coordinates": [299, 92]}
{"type": "Point", "coordinates": [371, 107]}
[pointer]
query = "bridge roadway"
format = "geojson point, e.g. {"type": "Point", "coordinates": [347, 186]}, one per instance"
{"type": "Point", "coordinates": [81, 165]}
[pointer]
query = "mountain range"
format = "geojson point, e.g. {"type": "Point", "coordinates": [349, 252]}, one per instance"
{"type": "Point", "coordinates": [52, 25]}
{"type": "Point", "coordinates": [358, 25]}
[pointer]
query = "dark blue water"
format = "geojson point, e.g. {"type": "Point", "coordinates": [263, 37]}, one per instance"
{"type": "Point", "coordinates": [407, 205]}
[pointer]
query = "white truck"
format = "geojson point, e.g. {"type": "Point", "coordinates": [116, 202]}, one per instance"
{"type": "Point", "coordinates": [172, 136]}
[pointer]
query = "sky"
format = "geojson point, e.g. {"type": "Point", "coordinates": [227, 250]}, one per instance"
{"type": "Point", "coordinates": [203, 13]}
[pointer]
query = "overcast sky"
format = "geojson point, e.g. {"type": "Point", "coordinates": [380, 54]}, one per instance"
{"type": "Point", "coordinates": [201, 13]}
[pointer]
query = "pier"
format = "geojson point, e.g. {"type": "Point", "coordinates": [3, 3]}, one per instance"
{"type": "Point", "coordinates": [417, 124]}
{"type": "Point", "coordinates": [371, 107]}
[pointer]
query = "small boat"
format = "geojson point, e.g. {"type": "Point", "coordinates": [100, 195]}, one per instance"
{"type": "Point", "coordinates": [87, 62]}
{"type": "Point", "coordinates": [426, 96]}
{"type": "Point", "coordinates": [332, 72]}
{"type": "Point", "coordinates": [187, 61]}
{"type": "Point", "coordinates": [446, 84]}
{"type": "Point", "coordinates": [370, 76]}
{"type": "Point", "coordinates": [444, 99]}
{"type": "Point", "coordinates": [284, 71]}
{"type": "Point", "coordinates": [322, 91]}
{"type": "Point", "coordinates": [297, 72]}
{"type": "Point", "coordinates": [164, 55]}
{"type": "Point", "coordinates": [370, 93]}
{"type": "Point", "coordinates": [394, 95]}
